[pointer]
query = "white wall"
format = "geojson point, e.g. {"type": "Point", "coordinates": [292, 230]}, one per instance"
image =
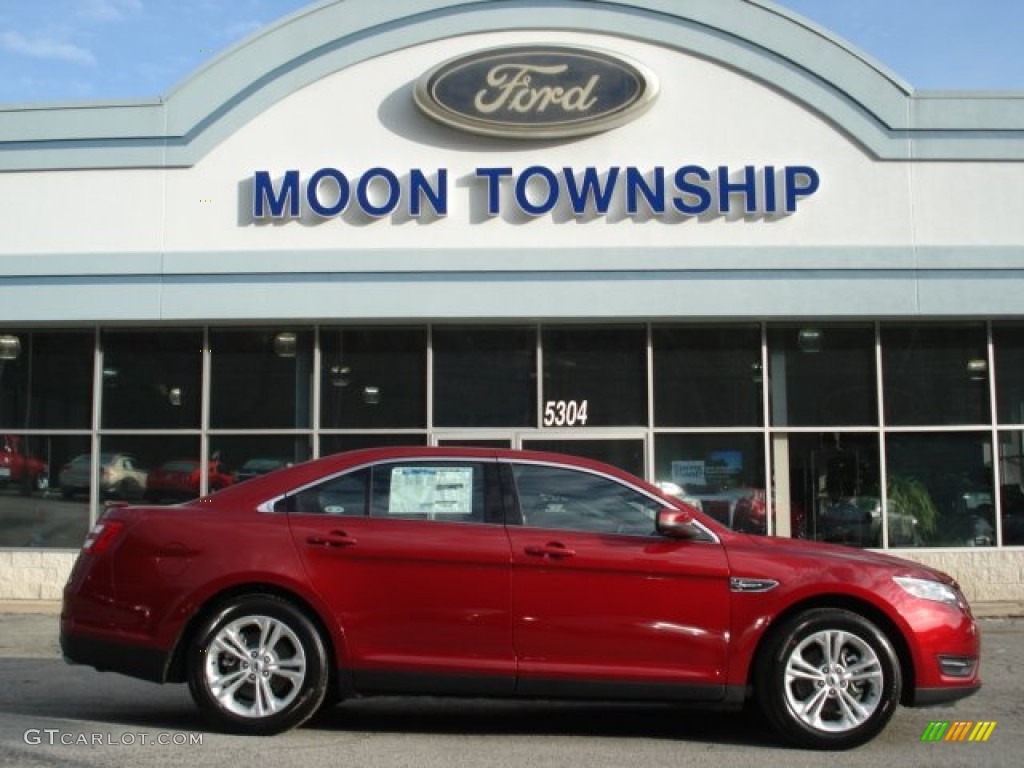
{"type": "Point", "coordinates": [364, 116]}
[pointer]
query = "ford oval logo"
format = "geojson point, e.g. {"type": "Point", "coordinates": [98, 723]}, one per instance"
{"type": "Point", "coordinates": [536, 92]}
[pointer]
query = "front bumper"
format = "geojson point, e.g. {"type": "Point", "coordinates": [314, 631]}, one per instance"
{"type": "Point", "coordinates": [933, 697]}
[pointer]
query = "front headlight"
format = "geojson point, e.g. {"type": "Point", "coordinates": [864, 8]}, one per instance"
{"type": "Point", "coordinates": [927, 589]}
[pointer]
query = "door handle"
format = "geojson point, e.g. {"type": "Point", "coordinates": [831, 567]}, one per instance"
{"type": "Point", "coordinates": [332, 539]}
{"type": "Point", "coordinates": [553, 549]}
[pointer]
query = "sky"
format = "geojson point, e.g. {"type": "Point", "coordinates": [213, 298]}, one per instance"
{"type": "Point", "coordinates": [108, 50]}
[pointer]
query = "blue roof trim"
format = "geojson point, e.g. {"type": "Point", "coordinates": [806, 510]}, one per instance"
{"type": "Point", "coordinates": [756, 37]}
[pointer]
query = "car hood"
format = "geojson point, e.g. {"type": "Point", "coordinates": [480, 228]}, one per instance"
{"type": "Point", "coordinates": [743, 547]}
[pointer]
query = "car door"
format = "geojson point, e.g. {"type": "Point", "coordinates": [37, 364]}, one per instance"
{"type": "Point", "coordinates": [602, 605]}
{"type": "Point", "coordinates": [413, 559]}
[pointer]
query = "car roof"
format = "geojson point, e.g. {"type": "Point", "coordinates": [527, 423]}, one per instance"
{"type": "Point", "coordinates": [268, 486]}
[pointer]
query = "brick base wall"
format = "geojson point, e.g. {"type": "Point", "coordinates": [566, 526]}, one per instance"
{"type": "Point", "coordinates": [34, 575]}
{"type": "Point", "coordinates": [985, 575]}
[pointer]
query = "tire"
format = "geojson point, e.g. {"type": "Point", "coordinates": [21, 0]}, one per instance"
{"type": "Point", "coordinates": [284, 666]}
{"type": "Point", "coordinates": [828, 679]}
{"type": "Point", "coordinates": [128, 489]}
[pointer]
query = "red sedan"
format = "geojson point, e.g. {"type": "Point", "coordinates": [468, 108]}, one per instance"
{"type": "Point", "coordinates": [502, 573]}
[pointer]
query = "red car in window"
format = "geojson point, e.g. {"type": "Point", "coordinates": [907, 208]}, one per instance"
{"type": "Point", "coordinates": [20, 469]}
{"type": "Point", "coordinates": [459, 571]}
{"type": "Point", "coordinates": [178, 480]}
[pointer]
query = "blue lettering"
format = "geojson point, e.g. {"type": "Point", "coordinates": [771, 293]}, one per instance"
{"type": "Point", "coordinates": [590, 188]}
{"type": "Point", "coordinates": [419, 187]}
{"type": "Point", "coordinates": [493, 176]}
{"type": "Point", "coordinates": [801, 181]}
{"type": "Point", "coordinates": [770, 205]}
{"type": "Point", "coordinates": [313, 192]}
{"type": "Point", "coordinates": [394, 191]}
{"type": "Point", "coordinates": [263, 195]}
{"type": "Point", "coordinates": [655, 198]}
{"type": "Point", "coordinates": [747, 188]}
{"type": "Point", "coordinates": [692, 190]}
{"type": "Point", "coordinates": [550, 199]}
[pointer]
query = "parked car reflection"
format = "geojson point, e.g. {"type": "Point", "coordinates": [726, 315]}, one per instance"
{"type": "Point", "coordinates": [857, 521]}
{"type": "Point", "coordinates": [120, 476]}
{"type": "Point", "coordinates": [20, 469]}
{"type": "Point", "coordinates": [178, 480]}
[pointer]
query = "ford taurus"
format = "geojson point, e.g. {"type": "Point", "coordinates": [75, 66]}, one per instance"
{"type": "Point", "coordinates": [499, 573]}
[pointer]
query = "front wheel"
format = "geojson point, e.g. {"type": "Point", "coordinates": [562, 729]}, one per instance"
{"type": "Point", "coordinates": [828, 679]}
{"type": "Point", "coordinates": [258, 666]}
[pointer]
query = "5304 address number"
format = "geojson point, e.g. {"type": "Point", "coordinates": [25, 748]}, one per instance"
{"type": "Point", "coordinates": [565, 413]}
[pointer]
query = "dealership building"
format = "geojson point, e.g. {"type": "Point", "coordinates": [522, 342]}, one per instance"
{"type": "Point", "coordinates": [704, 241]}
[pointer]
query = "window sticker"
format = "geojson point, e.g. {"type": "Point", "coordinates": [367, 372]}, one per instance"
{"type": "Point", "coordinates": [431, 491]}
{"type": "Point", "coordinates": [688, 473]}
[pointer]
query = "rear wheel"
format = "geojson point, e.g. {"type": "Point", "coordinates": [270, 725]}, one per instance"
{"type": "Point", "coordinates": [258, 666]}
{"type": "Point", "coordinates": [828, 679]}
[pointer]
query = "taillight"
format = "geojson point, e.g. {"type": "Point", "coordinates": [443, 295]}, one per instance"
{"type": "Point", "coordinates": [102, 536]}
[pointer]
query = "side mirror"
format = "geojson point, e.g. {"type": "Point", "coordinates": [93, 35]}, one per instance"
{"type": "Point", "coordinates": [676, 524]}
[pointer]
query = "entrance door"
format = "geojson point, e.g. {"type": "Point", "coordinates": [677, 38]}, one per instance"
{"type": "Point", "coordinates": [625, 452]}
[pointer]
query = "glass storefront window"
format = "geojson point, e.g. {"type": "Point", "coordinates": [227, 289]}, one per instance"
{"type": "Point", "coordinates": [260, 379]}
{"type": "Point", "coordinates": [152, 379]}
{"type": "Point", "coordinates": [595, 377]}
{"type": "Point", "coordinates": [1008, 341]}
{"type": "Point", "coordinates": [374, 378]}
{"type": "Point", "coordinates": [822, 375]}
{"type": "Point", "coordinates": [485, 377]}
{"type": "Point", "coordinates": [1011, 488]}
{"type": "Point", "coordinates": [46, 379]}
{"type": "Point", "coordinates": [943, 481]}
{"type": "Point", "coordinates": [33, 510]}
{"type": "Point", "coordinates": [935, 375]}
{"type": "Point", "coordinates": [828, 484]}
{"type": "Point", "coordinates": [707, 376]}
{"type": "Point", "coordinates": [723, 475]}
{"type": "Point", "coordinates": [821, 382]}
{"type": "Point", "coordinates": [248, 456]}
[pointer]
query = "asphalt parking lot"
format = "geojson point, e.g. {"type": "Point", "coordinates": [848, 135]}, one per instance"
{"type": "Point", "coordinates": [52, 714]}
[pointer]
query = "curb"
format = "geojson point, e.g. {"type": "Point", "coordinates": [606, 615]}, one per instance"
{"type": "Point", "coordinates": [998, 609]}
{"type": "Point", "coordinates": [30, 606]}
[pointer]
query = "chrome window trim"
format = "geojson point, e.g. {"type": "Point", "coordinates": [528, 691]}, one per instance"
{"type": "Point", "coordinates": [269, 504]}
{"type": "Point", "coordinates": [661, 501]}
